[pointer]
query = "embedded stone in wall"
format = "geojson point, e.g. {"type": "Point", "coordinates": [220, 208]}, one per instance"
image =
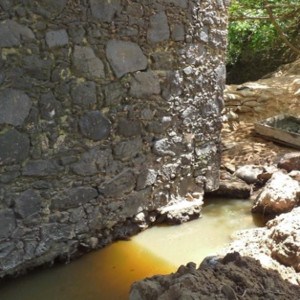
{"type": "Point", "coordinates": [75, 197]}
{"type": "Point", "coordinates": [87, 64]}
{"type": "Point", "coordinates": [159, 28]}
{"type": "Point", "coordinates": [94, 125]}
{"type": "Point", "coordinates": [105, 10]}
{"type": "Point", "coordinates": [119, 185]}
{"type": "Point", "coordinates": [14, 107]}
{"type": "Point", "coordinates": [114, 93]}
{"type": "Point", "coordinates": [126, 150]}
{"type": "Point", "coordinates": [177, 32]}
{"type": "Point", "coordinates": [144, 84]}
{"type": "Point", "coordinates": [14, 147]}
{"type": "Point", "coordinates": [48, 8]}
{"type": "Point", "coordinates": [146, 178]}
{"type": "Point", "coordinates": [84, 94]}
{"type": "Point", "coordinates": [49, 106]}
{"type": "Point", "coordinates": [180, 3]}
{"type": "Point", "coordinates": [92, 162]}
{"type": "Point", "coordinates": [37, 67]}
{"type": "Point", "coordinates": [12, 33]}
{"type": "Point", "coordinates": [28, 204]}
{"type": "Point", "coordinates": [7, 223]}
{"type": "Point", "coordinates": [129, 128]}
{"type": "Point", "coordinates": [57, 38]}
{"type": "Point", "coordinates": [125, 57]}
{"type": "Point", "coordinates": [40, 168]}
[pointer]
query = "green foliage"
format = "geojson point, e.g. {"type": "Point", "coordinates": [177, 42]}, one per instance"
{"type": "Point", "coordinates": [251, 28]}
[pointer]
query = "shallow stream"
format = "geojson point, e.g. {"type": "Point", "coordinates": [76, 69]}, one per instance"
{"type": "Point", "coordinates": [108, 273]}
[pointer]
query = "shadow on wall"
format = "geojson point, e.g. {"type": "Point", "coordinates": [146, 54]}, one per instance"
{"type": "Point", "coordinates": [109, 111]}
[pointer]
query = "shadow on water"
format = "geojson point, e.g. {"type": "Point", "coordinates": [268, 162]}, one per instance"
{"type": "Point", "coordinates": [108, 273]}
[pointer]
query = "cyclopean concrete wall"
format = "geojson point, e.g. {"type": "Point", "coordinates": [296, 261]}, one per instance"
{"type": "Point", "coordinates": [109, 120]}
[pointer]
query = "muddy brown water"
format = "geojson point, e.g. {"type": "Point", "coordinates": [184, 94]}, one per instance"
{"type": "Point", "coordinates": [108, 273]}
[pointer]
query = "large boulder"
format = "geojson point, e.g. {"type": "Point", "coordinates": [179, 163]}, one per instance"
{"type": "Point", "coordinates": [281, 194]}
{"type": "Point", "coordinates": [249, 173]}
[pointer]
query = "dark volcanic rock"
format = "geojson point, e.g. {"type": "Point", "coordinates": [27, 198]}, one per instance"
{"type": "Point", "coordinates": [14, 107]}
{"type": "Point", "coordinates": [94, 125]}
{"type": "Point", "coordinates": [14, 147]}
{"type": "Point", "coordinates": [105, 10]}
{"type": "Point", "coordinates": [233, 277]}
{"type": "Point", "coordinates": [159, 29]}
{"type": "Point", "coordinates": [7, 223]}
{"type": "Point", "coordinates": [125, 57]}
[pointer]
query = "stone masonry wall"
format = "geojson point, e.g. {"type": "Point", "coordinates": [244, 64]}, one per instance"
{"type": "Point", "coordinates": [109, 120]}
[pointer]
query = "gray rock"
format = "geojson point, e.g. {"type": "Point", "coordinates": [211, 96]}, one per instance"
{"type": "Point", "coordinates": [14, 107]}
{"type": "Point", "coordinates": [41, 168]}
{"type": "Point", "coordinates": [6, 249]}
{"type": "Point", "coordinates": [37, 68]}
{"type": "Point", "coordinates": [180, 3]}
{"type": "Point", "coordinates": [249, 173]}
{"type": "Point", "coordinates": [74, 197]}
{"type": "Point", "coordinates": [144, 84]}
{"type": "Point", "coordinates": [105, 10]}
{"type": "Point", "coordinates": [49, 106]}
{"type": "Point", "coordinates": [12, 34]}
{"type": "Point", "coordinates": [119, 185]}
{"type": "Point", "coordinates": [87, 64]}
{"type": "Point", "coordinates": [127, 150]}
{"type": "Point", "coordinates": [14, 147]}
{"type": "Point", "coordinates": [28, 204]}
{"type": "Point", "coordinates": [57, 38]}
{"type": "Point", "coordinates": [159, 28]}
{"type": "Point", "coordinates": [163, 147]}
{"type": "Point", "coordinates": [56, 232]}
{"type": "Point", "coordinates": [125, 57]}
{"type": "Point", "coordinates": [84, 94]}
{"type": "Point", "coordinates": [114, 93]}
{"type": "Point", "coordinates": [7, 223]}
{"type": "Point", "coordinates": [94, 125]}
{"type": "Point", "coordinates": [48, 8]}
{"type": "Point", "coordinates": [177, 32]}
{"type": "Point", "coordinates": [146, 178]}
{"type": "Point", "coordinates": [92, 162]}
{"type": "Point", "coordinates": [129, 128]}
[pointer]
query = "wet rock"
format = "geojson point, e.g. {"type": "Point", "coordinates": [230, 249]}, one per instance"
{"type": "Point", "coordinates": [75, 197]}
{"type": "Point", "coordinates": [159, 28]}
{"type": "Point", "coordinates": [7, 223]}
{"type": "Point", "coordinates": [14, 147]}
{"type": "Point", "coordinates": [12, 34]}
{"type": "Point", "coordinates": [57, 38]}
{"type": "Point", "coordinates": [14, 107]}
{"type": "Point", "coordinates": [119, 185]}
{"type": "Point", "coordinates": [232, 188]}
{"type": "Point", "coordinates": [125, 57]}
{"type": "Point", "coordinates": [105, 10]}
{"type": "Point", "coordinates": [180, 211]}
{"type": "Point", "coordinates": [281, 194]}
{"type": "Point", "coordinates": [84, 94]}
{"type": "Point", "coordinates": [94, 125]}
{"type": "Point", "coordinates": [28, 204]}
{"type": "Point", "coordinates": [87, 64]}
{"type": "Point", "coordinates": [249, 173]}
{"type": "Point", "coordinates": [144, 84]}
{"type": "Point", "coordinates": [290, 161]}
